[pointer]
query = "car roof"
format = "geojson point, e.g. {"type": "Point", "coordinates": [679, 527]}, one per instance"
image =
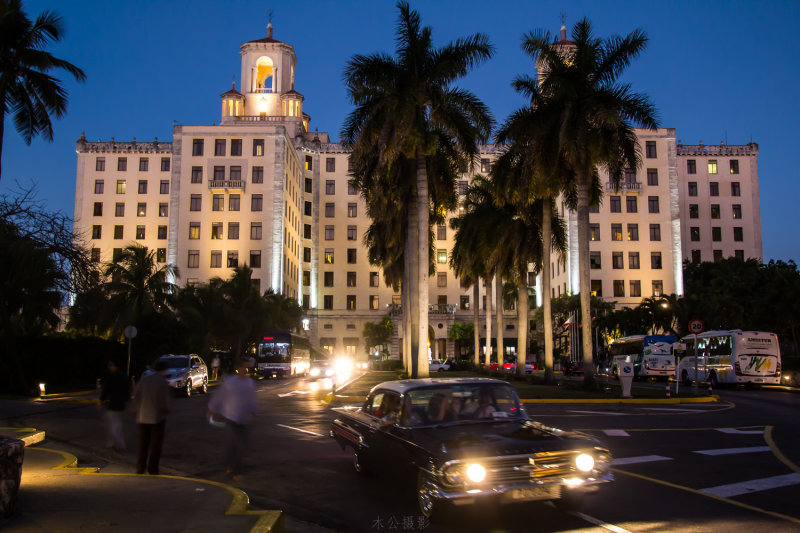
{"type": "Point", "coordinates": [171, 355]}
{"type": "Point", "coordinates": [404, 385]}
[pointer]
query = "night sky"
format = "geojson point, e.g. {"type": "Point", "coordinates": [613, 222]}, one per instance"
{"type": "Point", "coordinates": [717, 71]}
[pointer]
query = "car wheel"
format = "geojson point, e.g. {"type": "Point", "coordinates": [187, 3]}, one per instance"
{"type": "Point", "coordinates": [685, 378]}
{"type": "Point", "coordinates": [429, 505]}
{"type": "Point", "coordinates": [440, 369]}
{"type": "Point", "coordinates": [205, 385]}
{"type": "Point", "coordinates": [712, 379]}
{"type": "Point", "coordinates": [570, 501]}
{"type": "Point", "coordinates": [188, 387]}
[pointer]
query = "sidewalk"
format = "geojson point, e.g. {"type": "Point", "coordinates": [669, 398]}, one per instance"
{"type": "Point", "coordinates": [58, 495]}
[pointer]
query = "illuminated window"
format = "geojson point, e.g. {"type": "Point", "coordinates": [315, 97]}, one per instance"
{"type": "Point", "coordinates": [309, 163]}
{"type": "Point", "coordinates": [616, 232]}
{"type": "Point", "coordinates": [352, 210]}
{"type": "Point", "coordinates": [373, 279]}
{"type": "Point", "coordinates": [737, 211]}
{"type": "Point", "coordinates": [306, 278]}
{"type": "Point", "coordinates": [441, 256]}
{"type": "Point", "coordinates": [194, 230]}
{"type": "Point", "coordinates": [328, 256]}
{"type": "Point", "coordinates": [633, 232]}
{"type": "Point", "coordinates": [141, 209]}
{"type": "Point", "coordinates": [594, 232]}
{"type": "Point", "coordinates": [596, 287]}
{"type": "Point", "coordinates": [351, 279]}
{"type": "Point", "coordinates": [694, 233]}
{"type": "Point", "coordinates": [139, 232]}
{"type": "Point", "coordinates": [161, 255]}
{"type": "Point", "coordinates": [258, 147]}
{"type": "Point", "coordinates": [374, 302]}
{"type": "Point", "coordinates": [233, 259]}
{"type": "Point", "coordinates": [216, 231]}
{"type": "Point", "coordinates": [712, 166]}
{"type": "Point", "coordinates": [734, 166]}
{"type": "Point", "coordinates": [351, 302]}
{"type": "Point", "coordinates": [658, 287]}
{"type": "Point", "coordinates": [121, 186]}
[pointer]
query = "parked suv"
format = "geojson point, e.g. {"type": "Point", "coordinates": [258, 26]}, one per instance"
{"type": "Point", "coordinates": [185, 372]}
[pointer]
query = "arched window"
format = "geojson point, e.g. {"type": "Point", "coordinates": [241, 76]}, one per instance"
{"type": "Point", "coordinates": [264, 75]}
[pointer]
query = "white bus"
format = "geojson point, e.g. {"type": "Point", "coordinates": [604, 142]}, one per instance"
{"type": "Point", "coordinates": [733, 356]}
{"type": "Point", "coordinates": [651, 355]}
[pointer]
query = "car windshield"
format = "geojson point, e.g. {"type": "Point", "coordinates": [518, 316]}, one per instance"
{"type": "Point", "coordinates": [460, 402]}
{"type": "Point", "coordinates": [176, 362]}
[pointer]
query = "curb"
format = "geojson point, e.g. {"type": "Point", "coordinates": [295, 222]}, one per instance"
{"type": "Point", "coordinates": [30, 436]}
{"type": "Point", "coordinates": [665, 401]}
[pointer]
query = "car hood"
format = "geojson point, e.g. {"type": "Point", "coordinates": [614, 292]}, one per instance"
{"type": "Point", "coordinates": [493, 438]}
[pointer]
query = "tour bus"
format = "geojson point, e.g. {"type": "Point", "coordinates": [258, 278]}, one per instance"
{"type": "Point", "coordinates": [733, 356]}
{"type": "Point", "coordinates": [282, 354]}
{"type": "Point", "coordinates": [651, 355]}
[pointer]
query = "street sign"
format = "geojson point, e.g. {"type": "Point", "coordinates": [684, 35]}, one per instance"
{"type": "Point", "coordinates": [696, 326]}
{"type": "Point", "coordinates": [129, 332]}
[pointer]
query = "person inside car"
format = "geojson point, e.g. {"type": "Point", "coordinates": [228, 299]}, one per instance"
{"type": "Point", "coordinates": [407, 416]}
{"type": "Point", "coordinates": [440, 409]}
{"type": "Point", "coordinates": [389, 410]}
{"type": "Point", "coordinates": [485, 404]}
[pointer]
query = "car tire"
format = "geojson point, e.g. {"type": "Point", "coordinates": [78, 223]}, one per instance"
{"type": "Point", "coordinates": [188, 388]}
{"type": "Point", "coordinates": [205, 385]}
{"type": "Point", "coordinates": [429, 506]}
{"type": "Point", "coordinates": [570, 501]}
{"type": "Point", "coordinates": [440, 369]}
{"type": "Point", "coordinates": [685, 378]}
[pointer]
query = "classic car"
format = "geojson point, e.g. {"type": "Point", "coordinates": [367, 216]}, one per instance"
{"type": "Point", "coordinates": [469, 441]}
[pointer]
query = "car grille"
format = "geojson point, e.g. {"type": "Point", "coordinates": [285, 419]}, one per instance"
{"type": "Point", "coordinates": [539, 467]}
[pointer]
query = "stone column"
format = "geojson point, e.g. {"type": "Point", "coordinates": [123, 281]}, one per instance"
{"type": "Point", "coordinates": [12, 452]}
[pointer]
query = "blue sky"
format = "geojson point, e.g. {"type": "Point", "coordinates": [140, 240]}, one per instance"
{"type": "Point", "coordinates": [715, 70]}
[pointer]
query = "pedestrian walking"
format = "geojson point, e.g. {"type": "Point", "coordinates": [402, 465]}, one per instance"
{"type": "Point", "coordinates": [215, 363]}
{"type": "Point", "coordinates": [151, 401]}
{"type": "Point", "coordinates": [114, 397]}
{"type": "Point", "coordinates": [235, 403]}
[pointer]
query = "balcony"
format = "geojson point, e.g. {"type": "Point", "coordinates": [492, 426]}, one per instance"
{"type": "Point", "coordinates": [226, 185]}
{"type": "Point", "coordinates": [624, 186]}
{"type": "Point", "coordinates": [433, 309]}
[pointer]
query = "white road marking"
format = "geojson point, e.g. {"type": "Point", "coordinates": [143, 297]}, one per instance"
{"type": "Point", "coordinates": [754, 485]}
{"type": "Point", "coordinates": [597, 413]}
{"type": "Point", "coordinates": [303, 431]}
{"type": "Point", "coordinates": [676, 409]}
{"type": "Point", "coordinates": [600, 523]}
{"type": "Point", "coordinates": [616, 433]}
{"type": "Point", "coordinates": [639, 459]}
{"type": "Point", "coordinates": [731, 451]}
{"type": "Point", "coordinates": [285, 394]}
{"type": "Point", "coordinates": [732, 431]}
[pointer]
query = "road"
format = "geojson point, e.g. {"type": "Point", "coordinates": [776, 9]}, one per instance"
{"type": "Point", "coordinates": [730, 466]}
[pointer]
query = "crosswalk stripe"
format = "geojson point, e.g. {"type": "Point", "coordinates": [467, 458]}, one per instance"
{"type": "Point", "coordinates": [753, 485]}
{"type": "Point", "coordinates": [640, 459]}
{"type": "Point", "coordinates": [731, 451]}
{"type": "Point", "coordinates": [616, 433]}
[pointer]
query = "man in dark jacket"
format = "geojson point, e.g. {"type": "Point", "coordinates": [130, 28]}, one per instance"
{"type": "Point", "coordinates": [115, 395]}
{"type": "Point", "coordinates": [152, 400]}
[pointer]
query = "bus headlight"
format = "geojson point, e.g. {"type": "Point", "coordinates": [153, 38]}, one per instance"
{"type": "Point", "coordinates": [314, 372]}
{"type": "Point", "coordinates": [584, 462]}
{"type": "Point", "coordinates": [476, 472]}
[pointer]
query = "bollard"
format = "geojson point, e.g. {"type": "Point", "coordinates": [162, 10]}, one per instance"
{"type": "Point", "coordinates": [667, 390]}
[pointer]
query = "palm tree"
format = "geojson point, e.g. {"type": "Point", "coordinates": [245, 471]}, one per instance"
{"type": "Point", "coordinates": [244, 306]}
{"type": "Point", "coordinates": [591, 116]}
{"type": "Point", "coordinates": [202, 310]}
{"type": "Point", "coordinates": [26, 87]}
{"type": "Point", "coordinates": [405, 106]}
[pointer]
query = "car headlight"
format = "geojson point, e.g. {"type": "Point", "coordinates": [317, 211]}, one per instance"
{"type": "Point", "coordinates": [476, 472]}
{"type": "Point", "coordinates": [314, 372]}
{"type": "Point", "coordinates": [584, 462]}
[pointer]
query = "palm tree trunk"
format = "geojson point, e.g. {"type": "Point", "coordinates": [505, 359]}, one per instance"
{"type": "Point", "coordinates": [2, 131]}
{"type": "Point", "coordinates": [423, 252]}
{"type": "Point", "coordinates": [406, 344]}
{"type": "Point", "coordinates": [413, 287]}
{"type": "Point", "coordinates": [585, 283]}
{"type": "Point", "coordinates": [501, 353]}
{"type": "Point", "coordinates": [547, 312]}
{"type": "Point", "coordinates": [522, 326]}
{"type": "Point", "coordinates": [476, 330]}
{"type": "Point", "coordinates": [487, 359]}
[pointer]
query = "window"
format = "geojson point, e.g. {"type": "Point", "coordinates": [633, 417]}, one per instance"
{"type": "Point", "coordinates": [258, 175]}
{"type": "Point", "coordinates": [655, 232]}
{"type": "Point", "coordinates": [630, 204]}
{"type": "Point", "coordinates": [717, 255]}
{"type": "Point", "coordinates": [636, 288]}
{"type": "Point", "coordinates": [329, 233]}
{"type": "Point", "coordinates": [615, 204]}
{"type": "Point", "coordinates": [350, 189]}
{"type": "Point", "coordinates": [737, 211]}
{"type": "Point", "coordinates": [716, 233]}
{"type": "Point", "coordinates": [692, 188]}
{"type": "Point", "coordinates": [630, 176]}
{"type": "Point", "coordinates": [100, 164]}
{"type": "Point", "coordinates": [309, 163]}
{"type": "Point", "coordinates": [441, 232]}
{"type": "Point", "coordinates": [652, 204]}
{"type": "Point", "coordinates": [194, 258]}
{"type": "Point", "coordinates": [633, 232]}
{"type": "Point", "coordinates": [734, 166]}
{"type": "Point", "coordinates": [633, 260]}
{"type": "Point", "coordinates": [617, 261]}
{"type": "Point", "coordinates": [714, 210]}
{"type": "Point", "coordinates": [352, 210]}
{"type": "Point", "coordinates": [236, 173]}
{"type": "Point", "coordinates": [194, 230]}
{"type": "Point", "coordinates": [306, 231]}
{"type": "Point", "coordinates": [195, 202]}
{"type": "Point", "coordinates": [233, 259]}
{"type": "Point", "coordinates": [255, 231]}
{"type": "Point", "coordinates": [164, 187]}
{"type": "Point", "coordinates": [441, 279]}
{"type": "Point", "coordinates": [233, 231]}
{"type": "Point", "coordinates": [233, 202]}
{"type": "Point", "coordinates": [119, 209]}
{"type": "Point", "coordinates": [712, 166]}
{"type": "Point", "coordinates": [351, 302]}
{"type": "Point", "coordinates": [99, 185]}
{"type": "Point", "coordinates": [658, 287]}
{"type": "Point", "coordinates": [616, 232]}
{"type": "Point", "coordinates": [738, 234]}
{"type": "Point", "coordinates": [463, 185]}
{"type": "Point", "coordinates": [464, 302]}
{"type": "Point", "coordinates": [328, 256]}
{"type": "Point", "coordinates": [219, 147]}
{"type": "Point", "coordinates": [735, 189]}
{"type": "Point", "coordinates": [691, 166]}
{"type": "Point", "coordinates": [441, 256]}
{"type": "Point", "coordinates": [352, 233]}
{"type": "Point", "coordinates": [141, 209]}
{"type": "Point", "coordinates": [309, 185]}
{"type": "Point", "coordinates": [327, 279]}
{"type": "Point", "coordinates": [696, 256]}
{"type": "Point", "coordinates": [197, 175]}
{"type": "Point", "coordinates": [98, 209]}
{"type": "Point", "coordinates": [329, 210]}
{"type": "Point", "coordinates": [713, 187]}
{"type": "Point", "coordinates": [165, 164]}
{"type": "Point", "coordinates": [694, 211]}
{"type": "Point", "coordinates": [307, 255]}
{"type": "Point", "coordinates": [694, 233]}
{"type": "Point", "coordinates": [373, 279]}
{"type": "Point", "coordinates": [652, 176]}
{"type": "Point", "coordinates": [307, 209]}
{"type": "Point", "coordinates": [95, 258]}
{"type": "Point", "coordinates": [218, 202]}
{"type": "Point", "coordinates": [161, 255]}
{"type": "Point", "coordinates": [162, 232]}
{"type": "Point", "coordinates": [258, 147]}
{"type": "Point", "coordinates": [594, 232]}
{"type": "Point", "coordinates": [595, 260]}
{"type": "Point", "coordinates": [122, 164]}
{"type": "Point", "coordinates": [236, 147]}
{"type": "Point", "coordinates": [330, 187]}
{"type": "Point", "coordinates": [121, 186]}
{"type": "Point", "coordinates": [351, 279]}
{"type": "Point", "coordinates": [655, 260]}
{"type": "Point", "coordinates": [255, 258]}
{"type": "Point", "coordinates": [619, 288]}
{"type": "Point", "coordinates": [216, 259]}
{"type": "Point", "coordinates": [219, 173]}
{"type": "Point", "coordinates": [118, 232]}
{"type": "Point", "coordinates": [116, 254]}
{"type": "Point", "coordinates": [485, 165]}
{"type": "Point", "coordinates": [650, 149]}
{"type": "Point", "coordinates": [97, 231]}
{"type": "Point", "coordinates": [144, 163]}
{"type": "Point", "coordinates": [596, 288]}
{"type": "Point", "coordinates": [216, 231]}
{"type": "Point", "coordinates": [327, 301]}
{"type": "Point", "coordinates": [739, 254]}
{"type": "Point", "coordinates": [374, 302]}
{"type": "Point", "coordinates": [306, 278]}
{"type": "Point", "coordinates": [197, 146]}
{"type": "Point", "coordinates": [351, 256]}
{"type": "Point", "coordinates": [256, 202]}
{"type": "Point", "coordinates": [330, 164]}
